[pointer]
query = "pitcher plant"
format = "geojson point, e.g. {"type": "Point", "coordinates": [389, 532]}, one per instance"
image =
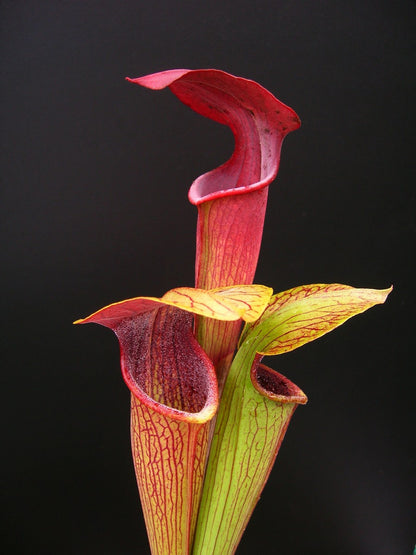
{"type": "Point", "coordinates": [207, 417]}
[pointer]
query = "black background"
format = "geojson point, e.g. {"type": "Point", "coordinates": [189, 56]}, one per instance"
{"type": "Point", "coordinates": [95, 173]}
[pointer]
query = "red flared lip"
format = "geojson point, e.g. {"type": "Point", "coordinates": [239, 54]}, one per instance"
{"type": "Point", "coordinates": [114, 314]}
{"type": "Point", "coordinates": [163, 79]}
{"type": "Point", "coordinates": [289, 392]}
{"type": "Point", "coordinates": [206, 413]}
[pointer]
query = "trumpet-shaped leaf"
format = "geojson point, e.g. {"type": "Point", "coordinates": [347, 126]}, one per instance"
{"type": "Point", "coordinates": [249, 429]}
{"type": "Point", "coordinates": [231, 199]}
{"type": "Point", "coordinates": [257, 404]}
{"type": "Point", "coordinates": [174, 396]}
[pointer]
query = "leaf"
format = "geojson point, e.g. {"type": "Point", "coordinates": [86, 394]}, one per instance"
{"type": "Point", "coordinates": [305, 313]}
{"type": "Point", "coordinates": [258, 120]}
{"type": "Point", "coordinates": [232, 198]}
{"type": "Point", "coordinates": [225, 303]}
{"type": "Point", "coordinates": [258, 403]}
{"type": "Point", "coordinates": [245, 302]}
{"type": "Point", "coordinates": [250, 427]}
{"type": "Point", "coordinates": [174, 396]}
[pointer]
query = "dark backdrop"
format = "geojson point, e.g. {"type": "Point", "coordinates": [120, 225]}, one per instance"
{"type": "Point", "coordinates": [95, 175]}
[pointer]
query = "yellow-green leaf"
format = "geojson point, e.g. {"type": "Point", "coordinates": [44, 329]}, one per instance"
{"type": "Point", "coordinates": [297, 316]}
{"type": "Point", "coordinates": [225, 303]}
{"type": "Point", "coordinates": [245, 302]}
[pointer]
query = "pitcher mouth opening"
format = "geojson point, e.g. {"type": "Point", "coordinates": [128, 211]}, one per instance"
{"type": "Point", "coordinates": [201, 191]}
{"type": "Point", "coordinates": [275, 386]}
